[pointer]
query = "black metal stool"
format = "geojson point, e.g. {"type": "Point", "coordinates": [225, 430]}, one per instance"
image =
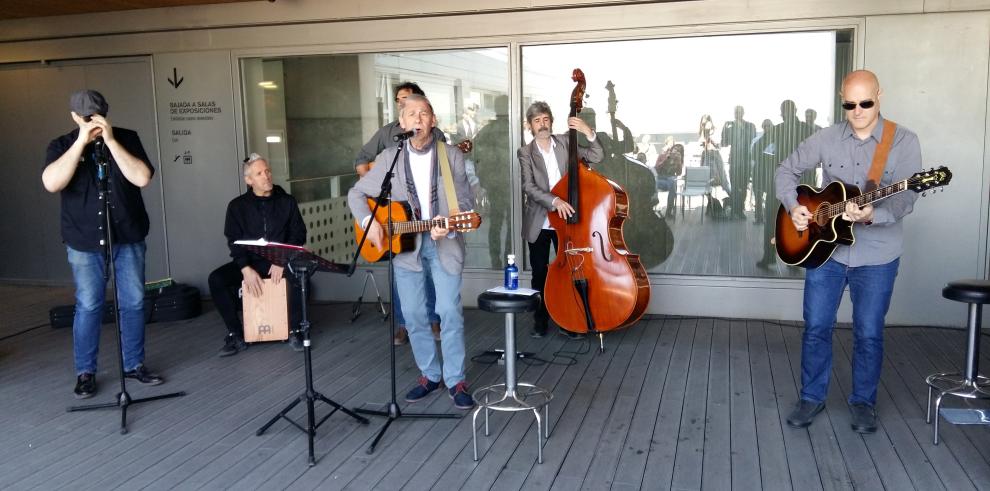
{"type": "Point", "coordinates": [968, 384]}
{"type": "Point", "coordinates": [511, 396]}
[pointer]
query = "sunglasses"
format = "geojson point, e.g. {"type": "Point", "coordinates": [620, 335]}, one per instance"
{"type": "Point", "coordinates": [849, 106]}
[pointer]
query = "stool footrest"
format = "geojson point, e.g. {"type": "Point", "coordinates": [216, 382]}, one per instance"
{"type": "Point", "coordinates": [956, 384]}
{"type": "Point", "coordinates": [526, 397]}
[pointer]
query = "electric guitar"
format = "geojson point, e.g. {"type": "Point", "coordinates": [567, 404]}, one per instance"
{"type": "Point", "coordinates": [813, 246]}
{"type": "Point", "coordinates": [403, 227]}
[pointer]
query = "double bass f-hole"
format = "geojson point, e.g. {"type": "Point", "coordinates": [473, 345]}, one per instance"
{"type": "Point", "coordinates": [601, 245]}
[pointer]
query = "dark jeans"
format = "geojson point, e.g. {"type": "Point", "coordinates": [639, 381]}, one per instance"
{"type": "Point", "coordinates": [539, 259]}
{"type": "Point", "coordinates": [224, 283]}
{"type": "Point", "coordinates": [668, 184]}
{"type": "Point", "coordinates": [870, 288]}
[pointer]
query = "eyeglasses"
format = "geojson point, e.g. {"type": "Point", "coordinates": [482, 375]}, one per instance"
{"type": "Point", "coordinates": [849, 106]}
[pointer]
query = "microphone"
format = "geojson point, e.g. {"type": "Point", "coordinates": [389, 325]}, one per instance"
{"type": "Point", "coordinates": [405, 135]}
{"type": "Point", "coordinates": [99, 150]}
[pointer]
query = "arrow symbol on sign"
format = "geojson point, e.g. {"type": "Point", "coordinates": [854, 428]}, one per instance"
{"type": "Point", "coordinates": [175, 81]}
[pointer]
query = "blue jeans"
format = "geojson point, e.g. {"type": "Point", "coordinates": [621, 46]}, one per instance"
{"type": "Point", "coordinates": [870, 288]}
{"type": "Point", "coordinates": [431, 302]}
{"type": "Point", "coordinates": [412, 286]}
{"type": "Point", "coordinates": [87, 271]}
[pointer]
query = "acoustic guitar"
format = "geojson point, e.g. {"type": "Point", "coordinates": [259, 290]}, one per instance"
{"type": "Point", "coordinates": [403, 227]}
{"type": "Point", "coordinates": [826, 230]}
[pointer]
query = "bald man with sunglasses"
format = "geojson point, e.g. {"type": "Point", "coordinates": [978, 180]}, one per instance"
{"type": "Point", "coordinates": [868, 266]}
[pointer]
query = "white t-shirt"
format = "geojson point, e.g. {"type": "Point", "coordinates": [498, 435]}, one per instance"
{"type": "Point", "coordinates": [553, 171]}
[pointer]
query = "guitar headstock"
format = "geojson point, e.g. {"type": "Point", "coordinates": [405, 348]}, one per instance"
{"type": "Point", "coordinates": [931, 178]}
{"type": "Point", "coordinates": [465, 221]}
{"type": "Point", "coordinates": [465, 146]}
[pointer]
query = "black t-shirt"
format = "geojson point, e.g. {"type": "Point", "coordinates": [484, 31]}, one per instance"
{"type": "Point", "coordinates": [81, 206]}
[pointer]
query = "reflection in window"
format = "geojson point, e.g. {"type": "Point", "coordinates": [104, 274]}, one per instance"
{"type": "Point", "coordinates": [693, 129]}
{"type": "Point", "coordinates": [312, 114]}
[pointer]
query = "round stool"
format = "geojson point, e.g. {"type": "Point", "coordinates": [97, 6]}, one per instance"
{"type": "Point", "coordinates": [968, 384]}
{"type": "Point", "coordinates": [511, 396]}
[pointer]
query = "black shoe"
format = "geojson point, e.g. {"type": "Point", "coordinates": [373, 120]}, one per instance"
{"type": "Point", "coordinates": [864, 418]}
{"type": "Point", "coordinates": [232, 343]}
{"type": "Point", "coordinates": [573, 336]}
{"type": "Point", "coordinates": [538, 331]}
{"type": "Point", "coordinates": [804, 413]}
{"type": "Point", "coordinates": [144, 376]}
{"type": "Point", "coordinates": [85, 386]}
{"type": "Point", "coordinates": [296, 341]}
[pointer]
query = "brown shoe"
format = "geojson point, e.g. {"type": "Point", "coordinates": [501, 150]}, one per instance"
{"type": "Point", "coordinates": [401, 336]}
{"type": "Point", "coordinates": [435, 327]}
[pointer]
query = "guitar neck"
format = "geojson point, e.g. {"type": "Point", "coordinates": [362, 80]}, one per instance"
{"type": "Point", "coordinates": [414, 226]}
{"type": "Point", "coordinates": [878, 194]}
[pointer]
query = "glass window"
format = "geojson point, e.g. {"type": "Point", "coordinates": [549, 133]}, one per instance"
{"type": "Point", "coordinates": [311, 115]}
{"type": "Point", "coordinates": [686, 126]}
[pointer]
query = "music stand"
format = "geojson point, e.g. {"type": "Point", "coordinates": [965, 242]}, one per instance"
{"type": "Point", "coordinates": [110, 277]}
{"type": "Point", "coordinates": [392, 411]}
{"type": "Point", "coordinates": [302, 264]}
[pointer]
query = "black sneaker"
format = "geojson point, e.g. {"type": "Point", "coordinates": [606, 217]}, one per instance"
{"type": "Point", "coordinates": [232, 343]}
{"type": "Point", "coordinates": [85, 386]}
{"type": "Point", "coordinates": [538, 331]}
{"type": "Point", "coordinates": [573, 336]}
{"type": "Point", "coordinates": [422, 389]}
{"type": "Point", "coordinates": [864, 417]}
{"type": "Point", "coordinates": [144, 376]}
{"type": "Point", "coordinates": [804, 413]}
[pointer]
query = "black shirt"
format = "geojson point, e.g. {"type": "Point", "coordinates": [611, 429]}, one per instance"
{"type": "Point", "coordinates": [81, 206]}
{"type": "Point", "coordinates": [275, 218]}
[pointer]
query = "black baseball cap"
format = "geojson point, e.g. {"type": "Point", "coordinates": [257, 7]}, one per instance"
{"type": "Point", "coordinates": [88, 102]}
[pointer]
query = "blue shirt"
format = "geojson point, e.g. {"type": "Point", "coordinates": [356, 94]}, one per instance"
{"type": "Point", "coordinates": [844, 157]}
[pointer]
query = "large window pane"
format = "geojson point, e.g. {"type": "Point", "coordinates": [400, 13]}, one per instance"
{"type": "Point", "coordinates": [699, 179]}
{"type": "Point", "coordinates": [311, 115]}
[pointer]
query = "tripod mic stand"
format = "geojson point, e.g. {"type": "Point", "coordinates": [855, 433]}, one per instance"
{"type": "Point", "coordinates": [123, 399]}
{"type": "Point", "coordinates": [392, 411]}
{"type": "Point", "coordinates": [302, 264]}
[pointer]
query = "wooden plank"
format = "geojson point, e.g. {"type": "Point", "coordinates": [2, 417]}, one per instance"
{"type": "Point", "coordinates": [717, 471]}
{"type": "Point", "coordinates": [742, 417]}
{"type": "Point", "coordinates": [663, 444]}
{"type": "Point", "coordinates": [632, 462]}
{"type": "Point", "coordinates": [800, 455]}
{"type": "Point", "coordinates": [773, 473]}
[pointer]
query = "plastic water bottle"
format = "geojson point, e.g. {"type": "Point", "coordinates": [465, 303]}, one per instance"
{"type": "Point", "coordinates": [511, 274]}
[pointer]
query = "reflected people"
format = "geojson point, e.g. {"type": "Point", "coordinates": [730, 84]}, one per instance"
{"type": "Point", "coordinates": [738, 135]}
{"type": "Point", "coordinates": [668, 167]}
{"type": "Point", "coordinates": [492, 162]}
{"type": "Point", "coordinates": [763, 169]}
{"type": "Point", "coordinates": [711, 157]}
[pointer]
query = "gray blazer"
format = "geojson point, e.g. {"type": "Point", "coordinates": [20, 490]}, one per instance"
{"type": "Point", "coordinates": [451, 249]}
{"type": "Point", "coordinates": [537, 200]}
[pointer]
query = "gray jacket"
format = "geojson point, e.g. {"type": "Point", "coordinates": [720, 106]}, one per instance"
{"type": "Point", "coordinates": [451, 248]}
{"type": "Point", "coordinates": [537, 199]}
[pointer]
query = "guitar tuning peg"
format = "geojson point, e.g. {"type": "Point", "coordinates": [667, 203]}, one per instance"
{"type": "Point", "coordinates": [924, 194]}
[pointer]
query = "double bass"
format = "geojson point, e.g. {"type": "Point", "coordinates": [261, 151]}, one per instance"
{"type": "Point", "coordinates": [594, 284]}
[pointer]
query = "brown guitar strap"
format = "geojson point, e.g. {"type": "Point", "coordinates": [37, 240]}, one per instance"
{"type": "Point", "coordinates": [448, 179]}
{"type": "Point", "coordinates": [880, 155]}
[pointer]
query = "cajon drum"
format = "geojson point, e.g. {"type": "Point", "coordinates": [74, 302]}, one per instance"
{"type": "Point", "coordinates": [266, 318]}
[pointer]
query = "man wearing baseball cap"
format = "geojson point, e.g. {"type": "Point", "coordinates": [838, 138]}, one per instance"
{"type": "Point", "coordinates": [71, 170]}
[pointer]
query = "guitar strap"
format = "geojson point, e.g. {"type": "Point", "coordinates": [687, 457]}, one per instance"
{"type": "Point", "coordinates": [448, 179]}
{"type": "Point", "coordinates": [880, 155]}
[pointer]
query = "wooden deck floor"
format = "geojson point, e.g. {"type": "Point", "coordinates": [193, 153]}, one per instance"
{"type": "Point", "coordinates": [673, 403]}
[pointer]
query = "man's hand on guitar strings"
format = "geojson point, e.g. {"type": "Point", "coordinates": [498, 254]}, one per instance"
{"type": "Point", "coordinates": [800, 216]}
{"type": "Point", "coordinates": [855, 213]}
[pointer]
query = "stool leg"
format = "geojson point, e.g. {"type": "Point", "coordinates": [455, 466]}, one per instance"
{"type": "Point", "coordinates": [973, 342]}
{"type": "Point", "coordinates": [539, 436]}
{"type": "Point", "coordinates": [486, 416]}
{"type": "Point", "coordinates": [546, 427]}
{"type": "Point", "coordinates": [474, 432]}
{"type": "Point", "coordinates": [928, 407]}
{"type": "Point", "coordinates": [510, 354]}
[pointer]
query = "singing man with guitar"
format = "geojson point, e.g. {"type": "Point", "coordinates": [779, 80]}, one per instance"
{"type": "Point", "coordinates": [423, 180]}
{"type": "Point", "coordinates": [868, 264]}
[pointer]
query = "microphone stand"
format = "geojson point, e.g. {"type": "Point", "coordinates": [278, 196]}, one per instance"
{"type": "Point", "coordinates": [123, 399]}
{"type": "Point", "coordinates": [392, 411]}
